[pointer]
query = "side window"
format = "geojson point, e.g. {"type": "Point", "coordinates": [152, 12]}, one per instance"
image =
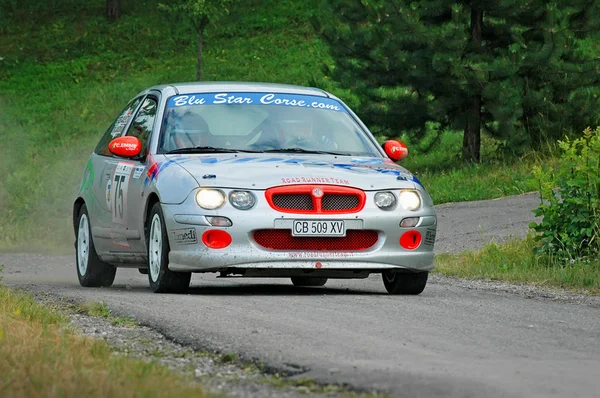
{"type": "Point", "coordinates": [141, 127]}
{"type": "Point", "coordinates": [116, 128]}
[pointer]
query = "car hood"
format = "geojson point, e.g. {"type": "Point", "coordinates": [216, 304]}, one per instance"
{"type": "Point", "coordinates": [262, 171]}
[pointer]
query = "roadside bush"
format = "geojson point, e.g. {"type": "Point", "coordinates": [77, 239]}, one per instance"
{"type": "Point", "coordinates": [570, 206]}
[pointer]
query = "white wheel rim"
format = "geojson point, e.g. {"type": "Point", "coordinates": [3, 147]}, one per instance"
{"type": "Point", "coordinates": [155, 248]}
{"type": "Point", "coordinates": [83, 244]}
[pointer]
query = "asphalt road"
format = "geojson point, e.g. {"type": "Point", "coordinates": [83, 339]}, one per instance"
{"type": "Point", "coordinates": [449, 341]}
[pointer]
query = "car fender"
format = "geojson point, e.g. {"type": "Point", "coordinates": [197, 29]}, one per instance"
{"type": "Point", "coordinates": [169, 181]}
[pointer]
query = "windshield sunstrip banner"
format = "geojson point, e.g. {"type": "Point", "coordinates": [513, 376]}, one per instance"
{"type": "Point", "coordinates": [277, 99]}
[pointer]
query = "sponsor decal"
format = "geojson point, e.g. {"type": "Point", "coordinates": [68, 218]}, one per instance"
{"type": "Point", "coordinates": [118, 192]}
{"type": "Point", "coordinates": [277, 99]}
{"type": "Point", "coordinates": [314, 180]}
{"type": "Point", "coordinates": [121, 123]}
{"type": "Point", "coordinates": [186, 236]}
{"type": "Point", "coordinates": [108, 201]}
{"type": "Point", "coordinates": [137, 172]}
{"type": "Point", "coordinates": [126, 145]}
{"type": "Point", "coordinates": [429, 237]}
{"type": "Point", "coordinates": [88, 176]}
{"type": "Point", "coordinates": [320, 254]}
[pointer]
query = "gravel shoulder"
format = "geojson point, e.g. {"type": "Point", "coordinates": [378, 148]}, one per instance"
{"type": "Point", "coordinates": [218, 373]}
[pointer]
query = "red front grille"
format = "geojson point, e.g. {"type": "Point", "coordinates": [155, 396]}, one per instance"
{"type": "Point", "coordinates": [282, 239]}
{"type": "Point", "coordinates": [339, 202]}
{"type": "Point", "coordinates": [293, 201]}
{"type": "Point", "coordinates": [303, 200]}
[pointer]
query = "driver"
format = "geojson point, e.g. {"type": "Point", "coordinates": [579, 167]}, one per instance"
{"type": "Point", "coordinates": [190, 131]}
{"type": "Point", "coordinates": [302, 134]}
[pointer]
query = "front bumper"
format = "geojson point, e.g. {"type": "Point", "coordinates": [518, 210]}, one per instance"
{"type": "Point", "coordinates": [192, 255]}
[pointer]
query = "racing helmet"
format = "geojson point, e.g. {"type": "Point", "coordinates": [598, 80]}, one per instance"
{"type": "Point", "coordinates": [191, 130]}
{"type": "Point", "coordinates": [295, 129]}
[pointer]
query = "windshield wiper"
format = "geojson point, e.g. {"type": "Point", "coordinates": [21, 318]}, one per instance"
{"type": "Point", "coordinates": [300, 150]}
{"type": "Point", "coordinates": [209, 149]}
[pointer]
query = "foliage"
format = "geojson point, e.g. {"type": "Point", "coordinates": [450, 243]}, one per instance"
{"type": "Point", "coordinates": [200, 13]}
{"type": "Point", "coordinates": [570, 228]}
{"type": "Point", "coordinates": [527, 71]}
{"type": "Point", "coordinates": [514, 261]}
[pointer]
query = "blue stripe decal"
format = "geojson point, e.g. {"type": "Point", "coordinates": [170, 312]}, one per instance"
{"type": "Point", "coordinates": [272, 160]}
{"type": "Point", "coordinates": [243, 160]}
{"type": "Point", "coordinates": [294, 161]}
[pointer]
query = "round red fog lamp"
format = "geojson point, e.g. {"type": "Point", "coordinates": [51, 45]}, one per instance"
{"type": "Point", "coordinates": [410, 240]}
{"type": "Point", "coordinates": [216, 239]}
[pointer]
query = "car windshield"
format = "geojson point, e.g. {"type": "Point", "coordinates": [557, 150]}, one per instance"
{"type": "Point", "coordinates": [261, 122]}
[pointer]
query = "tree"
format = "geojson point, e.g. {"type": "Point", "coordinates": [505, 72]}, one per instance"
{"type": "Point", "coordinates": [201, 13]}
{"type": "Point", "coordinates": [113, 9]}
{"type": "Point", "coordinates": [516, 69]}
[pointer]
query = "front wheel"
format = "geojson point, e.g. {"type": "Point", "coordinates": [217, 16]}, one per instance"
{"type": "Point", "coordinates": [405, 283]}
{"type": "Point", "coordinates": [307, 281]}
{"type": "Point", "coordinates": [162, 280]}
{"type": "Point", "coordinates": [91, 271]}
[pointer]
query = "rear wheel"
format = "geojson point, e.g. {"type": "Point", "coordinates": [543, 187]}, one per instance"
{"type": "Point", "coordinates": [162, 280]}
{"type": "Point", "coordinates": [91, 271]}
{"type": "Point", "coordinates": [405, 283]}
{"type": "Point", "coordinates": [308, 281]}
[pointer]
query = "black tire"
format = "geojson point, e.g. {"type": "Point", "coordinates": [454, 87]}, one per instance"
{"type": "Point", "coordinates": [165, 281]}
{"type": "Point", "coordinates": [307, 281]}
{"type": "Point", "coordinates": [91, 271]}
{"type": "Point", "coordinates": [405, 282]}
{"type": "Point", "coordinates": [143, 271]}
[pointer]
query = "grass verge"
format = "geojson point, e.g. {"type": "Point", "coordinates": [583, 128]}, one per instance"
{"type": "Point", "coordinates": [42, 357]}
{"type": "Point", "coordinates": [449, 179]}
{"type": "Point", "coordinates": [101, 310]}
{"type": "Point", "coordinates": [309, 386]}
{"type": "Point", "coordinates": [515, 262]}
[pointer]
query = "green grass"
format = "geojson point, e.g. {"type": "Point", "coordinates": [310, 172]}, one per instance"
{"type": "Point", "coordinates": [41, 356]}
{"type": "Point", "coordinates": [515, 262]}
{"type": "Point", "coordinates": [309, 386]}
{"type": "Point", "coordinates": [101, 310]}
{"type": "Point", "coordinates": [448, 179]}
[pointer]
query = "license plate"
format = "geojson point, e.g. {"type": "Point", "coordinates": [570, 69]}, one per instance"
{"type": "Point", "coordinates": [318, 228]}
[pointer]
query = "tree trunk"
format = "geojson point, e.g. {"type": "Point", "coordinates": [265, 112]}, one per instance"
{"type": "Point", "coordinates": [200, 48]}
{"type": "Point", "coordinates": [113, 9]}
{"type": "Point", "coordinates": [472, 135]}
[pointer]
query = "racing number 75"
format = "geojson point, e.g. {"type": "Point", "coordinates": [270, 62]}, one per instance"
{"type": "Point", "coordinates": [119, 179]}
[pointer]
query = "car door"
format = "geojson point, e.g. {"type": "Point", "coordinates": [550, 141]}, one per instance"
{"type": "Point", "coordinates": [104, 164]}
{"type": "Point", "coordinates": [128, 214]}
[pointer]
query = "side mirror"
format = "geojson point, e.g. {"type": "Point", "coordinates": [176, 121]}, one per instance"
{"type": "Point", "coordinates": [126, 147]}
{"type": "Point", "coordinates": [396, 150]}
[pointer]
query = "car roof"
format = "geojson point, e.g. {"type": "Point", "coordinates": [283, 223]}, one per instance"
{"type": "Point", "coordinates": [211, 87]}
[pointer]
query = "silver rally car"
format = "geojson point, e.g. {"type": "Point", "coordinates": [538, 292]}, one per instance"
{"type": "Point", "coordinates": [254, 180]}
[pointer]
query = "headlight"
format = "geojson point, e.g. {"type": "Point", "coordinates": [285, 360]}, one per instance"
{"type": "Point", "coordinates": [409, 200]}
{"type": "Point", "coordinates": [385, 200]}
{"type": "Point", "coordinates": [242, 200]}
{"type": "Point", "coordinates": [210, 199]}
